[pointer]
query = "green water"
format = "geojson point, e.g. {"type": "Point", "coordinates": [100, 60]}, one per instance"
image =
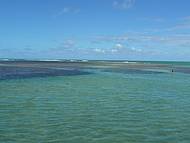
{"type": "Point", "coordinates": [96, 108]}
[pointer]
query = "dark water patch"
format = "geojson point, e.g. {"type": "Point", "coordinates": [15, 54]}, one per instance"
{"type": "Point", "coordinates": [133, 71]}
{"type": "Point", "coordinates": [29, 72]}
{"type": "Point", "coordinates": [185, 70]}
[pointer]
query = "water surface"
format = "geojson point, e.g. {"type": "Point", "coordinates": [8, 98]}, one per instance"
{"type": "Point", "coordinates": [105, 106]}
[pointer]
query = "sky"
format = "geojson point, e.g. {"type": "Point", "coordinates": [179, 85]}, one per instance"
{"type": "Point", "coordinates": [95, 29]}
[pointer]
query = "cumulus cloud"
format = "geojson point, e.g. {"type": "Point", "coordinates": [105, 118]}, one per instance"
{"type": "Point", "coordinates": [99, 50]}
{"type": "Point", "coordinates": [123, 4]}
{"type": "Point", "coordinates": [136, 49]}
{"type": "Point", "coordinates": [119, 46]}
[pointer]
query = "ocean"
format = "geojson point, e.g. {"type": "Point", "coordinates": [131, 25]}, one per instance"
{"type": "Point", "coordinates": [94, 102]}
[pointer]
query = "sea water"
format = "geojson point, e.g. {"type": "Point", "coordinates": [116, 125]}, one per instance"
{"type": "Point", "coordinates": [103, 107]}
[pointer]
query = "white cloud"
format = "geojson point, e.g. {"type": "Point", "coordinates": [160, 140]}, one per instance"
{"type": "Point", "coordinates": [136, 49]}
{"type": "Point", "coordinates": [119, 46]}
{"type": "Point", "coordinates": [123, 4]}
{"type": "Point", "coordinates": [98, 50]}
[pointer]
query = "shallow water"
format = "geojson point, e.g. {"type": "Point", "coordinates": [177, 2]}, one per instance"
{"type": "Point", "coordinates": [103, 107]}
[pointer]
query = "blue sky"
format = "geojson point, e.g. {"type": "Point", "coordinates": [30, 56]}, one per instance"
{"type": "Point", "coordinates": [95, 29]}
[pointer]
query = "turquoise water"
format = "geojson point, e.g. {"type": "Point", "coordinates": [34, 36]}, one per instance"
{"type": "Point", "coordinates": [104, 107]}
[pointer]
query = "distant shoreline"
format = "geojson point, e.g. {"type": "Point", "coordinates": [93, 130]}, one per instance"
{"type": "Point", "coordinates": [86, 60]}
